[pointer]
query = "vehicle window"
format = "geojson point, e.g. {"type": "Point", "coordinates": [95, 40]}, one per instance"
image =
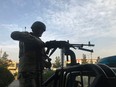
{"type": "Point", "coordinates": [84, 80]}
{"type": "Point", "coordinates": [112, 60]}
{"type": "Point", "coordinates": [104, 61]}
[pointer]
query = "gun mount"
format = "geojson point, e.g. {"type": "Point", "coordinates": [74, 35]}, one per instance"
{"type": "Point", "coordinates": [65, 47]}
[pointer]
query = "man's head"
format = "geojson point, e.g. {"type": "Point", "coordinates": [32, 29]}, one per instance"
{"type": "Point", "coordinates": [38, 28]}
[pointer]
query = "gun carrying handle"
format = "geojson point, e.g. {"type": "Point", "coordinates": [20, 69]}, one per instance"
{"type": "Point", "coordinates": [48, 50]}
{"type": "Point", "coordinates": [52, 51]}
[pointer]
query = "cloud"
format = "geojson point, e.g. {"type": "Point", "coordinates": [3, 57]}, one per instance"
{"type": "Point", "coordinates": [19, 3]}
{"type": "Point", "coordinates": [10, 27]}
{"type": "Point", "coordinates": [73, 20]}
{"type": "Point", "coordinates": [83, 19]}
{"type": "Point", "coordinates": [5, 31]}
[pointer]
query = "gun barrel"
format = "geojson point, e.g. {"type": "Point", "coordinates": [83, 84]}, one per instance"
{"type": "Point", "coordinates": [86, 49]}
{"type": "Point", "coordinates": [81, 45]}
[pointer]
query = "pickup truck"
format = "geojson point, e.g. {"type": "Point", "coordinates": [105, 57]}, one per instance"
{"type": "Point", "coordinates": [86, 75]}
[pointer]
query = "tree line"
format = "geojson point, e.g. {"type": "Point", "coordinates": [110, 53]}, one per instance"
{"type": "Point", "coordinates": [4, 61]}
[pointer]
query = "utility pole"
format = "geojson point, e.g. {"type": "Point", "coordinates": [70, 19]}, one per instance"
{"type": "Point", "coordinates": [62, 57]}
{"type": "Point", "coordinates": [91, 58]}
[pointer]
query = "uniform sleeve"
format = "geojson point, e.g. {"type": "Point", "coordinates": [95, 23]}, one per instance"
{"type": "Point", "coordinates": [26, 37]}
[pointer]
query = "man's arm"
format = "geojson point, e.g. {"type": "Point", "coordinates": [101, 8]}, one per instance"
{"type": "Point", "coordinates": [26, 37]}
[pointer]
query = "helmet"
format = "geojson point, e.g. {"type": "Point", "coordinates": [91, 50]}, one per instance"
{"type": "Point", "coordinates": [38, 25]}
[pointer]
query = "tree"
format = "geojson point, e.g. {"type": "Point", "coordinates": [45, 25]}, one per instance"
{"type": "Point", "coordinates": [57, 62]}
{"type": "Point", "coordinates": [6, 77]}
{"type": "Point", "coordinates": [4, 60]}
{"type": "Point", "coordinates": [5, 55]}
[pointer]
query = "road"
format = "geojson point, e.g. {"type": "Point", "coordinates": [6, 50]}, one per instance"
{"type": "Point", "coordinates": [15, 83]}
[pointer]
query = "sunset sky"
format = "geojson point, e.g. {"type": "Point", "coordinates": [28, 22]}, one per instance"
{"type": "Point", "coordinates": [78, 21]}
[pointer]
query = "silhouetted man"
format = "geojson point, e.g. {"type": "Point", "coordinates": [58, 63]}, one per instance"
{"type": "Point", "coordinates": [31, 55]}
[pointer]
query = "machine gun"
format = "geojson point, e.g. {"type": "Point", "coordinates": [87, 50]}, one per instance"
{"type": "Point", "coordinates": [65, 47]}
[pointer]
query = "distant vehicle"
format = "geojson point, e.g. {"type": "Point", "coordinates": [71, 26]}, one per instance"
{"type": "Point", "coordinates": [110, 61]}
